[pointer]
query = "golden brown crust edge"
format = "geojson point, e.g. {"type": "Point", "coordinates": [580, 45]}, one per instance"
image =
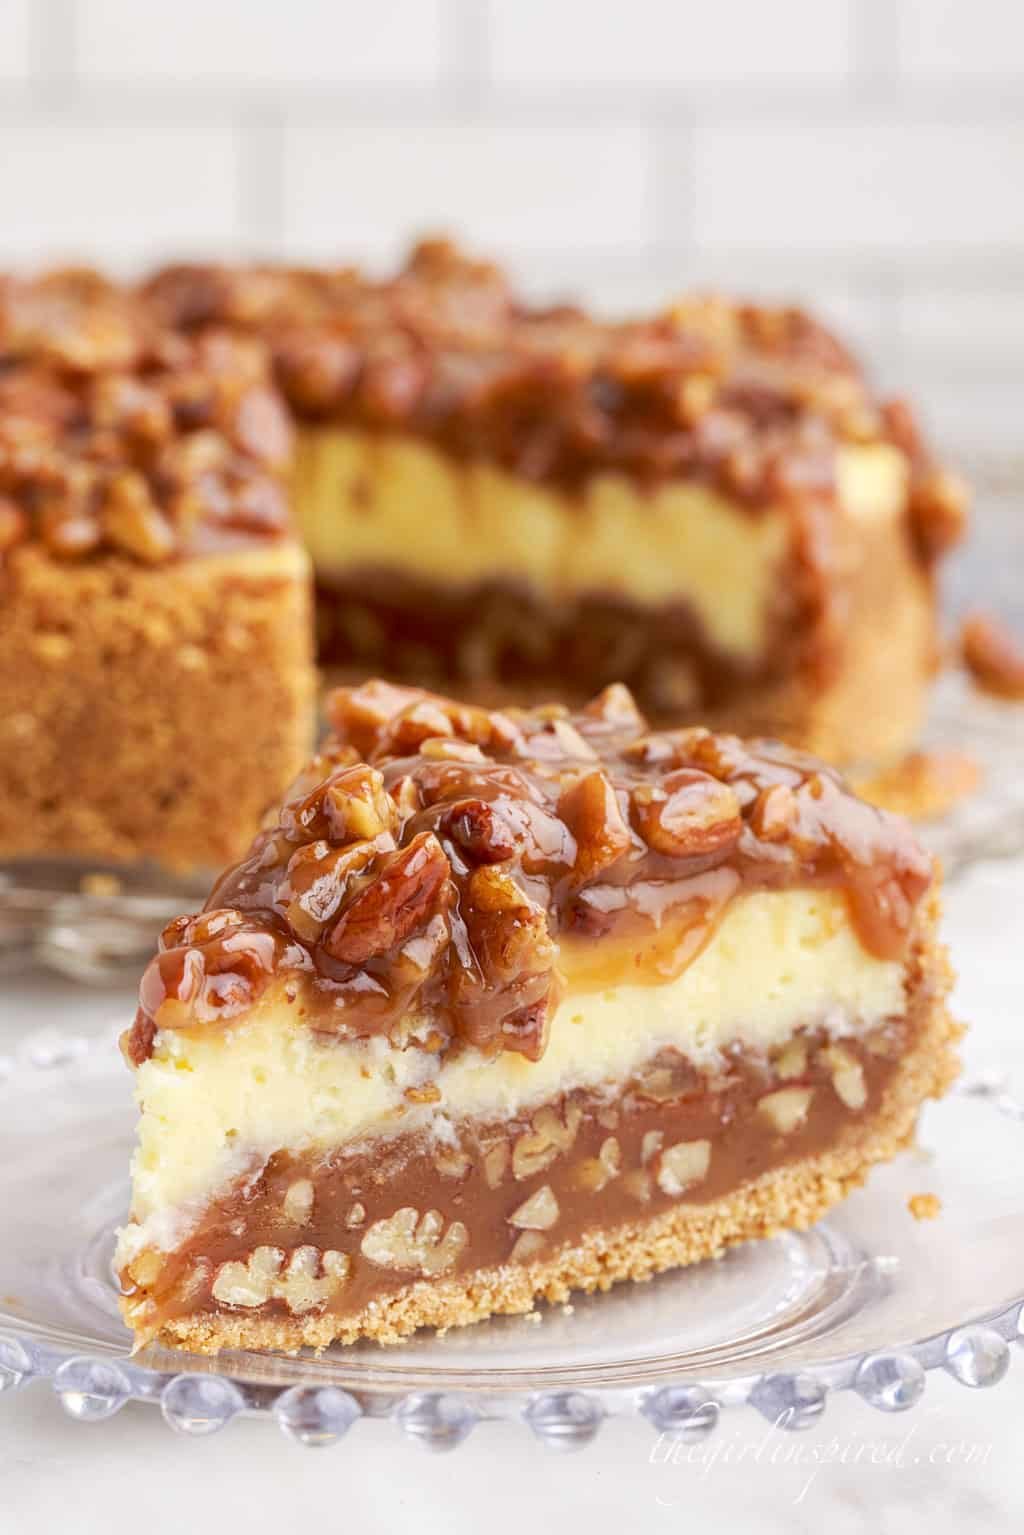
{"type": "Point", "coordinates": [126, 731]}
{"type": "Point", "coordinates": [791, 1197]}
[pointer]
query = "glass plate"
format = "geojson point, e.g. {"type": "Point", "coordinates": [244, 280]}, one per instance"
{"type": "Point", "coordinates": [98, 923]}
{"type": "Point", "coordinates": [869, 1300]}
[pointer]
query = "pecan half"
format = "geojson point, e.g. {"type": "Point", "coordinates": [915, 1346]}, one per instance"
{"type": "Point", "coordinates": [688, 815]}
{"type": "Point", "coordinates": [412, 887]}
{"type": "Point", "coordinates": [418, 1243]}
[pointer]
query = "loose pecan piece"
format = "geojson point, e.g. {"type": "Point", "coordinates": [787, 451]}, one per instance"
{"type": "Point", "coordinates": [938, 511]}
{"type": "Point", "coordinates": [993, 655]}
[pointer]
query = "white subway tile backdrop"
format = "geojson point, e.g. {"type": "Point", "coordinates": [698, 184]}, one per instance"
{"type": "Point", "coordinates": [866, 156]}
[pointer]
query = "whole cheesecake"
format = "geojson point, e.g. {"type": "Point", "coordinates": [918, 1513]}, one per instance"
{"type": "Point", "coordinates": [502, 1005]}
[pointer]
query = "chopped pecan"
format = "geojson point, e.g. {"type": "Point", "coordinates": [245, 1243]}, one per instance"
{"type": "Point", "coordinates": [411, 887]}
{"type": "Point", "coordinates": [13, 524]}
{"type": "Point", "coordinates": [261, 427]}
{"type": "Point", "coordinates": [682, 1165]}
{"type": "Point", "coordinates": [357, 805]}
{"type": "Point", "coordinates": [615, 706]}
{"type": "Point", "coordinates": [590, 808]}
{"type": "Point", "coordinates": [527, 1245]}
{"type": "Point", "coordinates": [265, 1276]}
{"type": "Point", "coordinates": [481, 830]}
{"type": "Point", "coordinates": [786, 1109]}
{"type": "Point", "coordinates": [595, 1173]}
{"type": "Point", "coordinates": [318, 879]}
{"type": "Point", "coordinates": [774, 813]}
{"type": "Point", "coordinates": [451, 1161]}
{"type": "Point", "coordinates": [507, 927]}
{"type": "Point", "coordinates": [495, 1163]}
{"type": "Point", "coordinates": [538, 1213]}
{"type": "Point", "coordinates": [791, 1060]}
{"type": "Point", "coordinates": [688, 815]}
{"type": "Point", "coordinates": [133, 522]}
{"type": "Point", "coordinates": [847, 1076]}
{"type": "Point", "coordinates": [418, 1243]}
{"type": "Point", "coordinates": [298, 1201]}
{"type": "Point", "coordinates": [315, 369]}
{"type": "Point", "coordinates": [551, 1136]}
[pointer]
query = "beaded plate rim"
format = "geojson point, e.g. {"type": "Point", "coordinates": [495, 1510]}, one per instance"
{"type": "Point", "coordinates": [203, 1399]}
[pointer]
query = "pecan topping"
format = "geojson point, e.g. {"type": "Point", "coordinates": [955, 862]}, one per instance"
{"type": "Point", "coordinates": [444, 899]}
{"type": "Point", "coordinates": [119, 435]}
{"type": "Point", "coordinates": [752, 399]}
{"type": "Point", "coordinates": [938, 509]}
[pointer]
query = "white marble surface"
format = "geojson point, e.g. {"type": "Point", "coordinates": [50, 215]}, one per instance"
{"type": "Point", "coordinates": [953, 1464]}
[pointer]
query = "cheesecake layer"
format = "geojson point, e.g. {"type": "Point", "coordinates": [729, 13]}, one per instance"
{"type": "Point", "coordinates": [213, 1102]}
{"type": "Point", "coordinates": [379, 503]}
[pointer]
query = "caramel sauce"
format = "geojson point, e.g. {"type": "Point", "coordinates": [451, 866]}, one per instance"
{"type": "Point", "coordinates": [660, 930]}
{"type": "Point", "coordinates": [451, 886]}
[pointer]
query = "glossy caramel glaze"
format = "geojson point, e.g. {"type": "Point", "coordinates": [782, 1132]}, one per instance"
{"type": "Point", "coordinates": [440, 872]}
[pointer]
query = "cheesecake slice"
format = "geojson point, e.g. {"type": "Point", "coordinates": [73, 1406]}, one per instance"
{"type": "Point", "coordinates": [156, 677]}
{"type": "Point", "coordinates": [502, 1005]}
{"type": "Point", "coordinates": [708, 503]}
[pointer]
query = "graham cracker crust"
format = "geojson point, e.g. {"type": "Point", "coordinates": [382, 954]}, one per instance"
{"type": "Point", "coordinates": [792, 1197]}
{"type": "Point", "coordinates": [151, 712]}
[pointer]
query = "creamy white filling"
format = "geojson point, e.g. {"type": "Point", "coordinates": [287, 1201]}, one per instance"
{"type": "Point", "coordinates": [365, 499]}
{"type": "Point", "coordinates": [214, 1102]}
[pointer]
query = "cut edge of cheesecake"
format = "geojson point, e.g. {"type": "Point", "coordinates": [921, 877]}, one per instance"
{"type": "Point", "coordinates": [304, 1178]}
{"type": "Point", "coordinates": [792, 1196]}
